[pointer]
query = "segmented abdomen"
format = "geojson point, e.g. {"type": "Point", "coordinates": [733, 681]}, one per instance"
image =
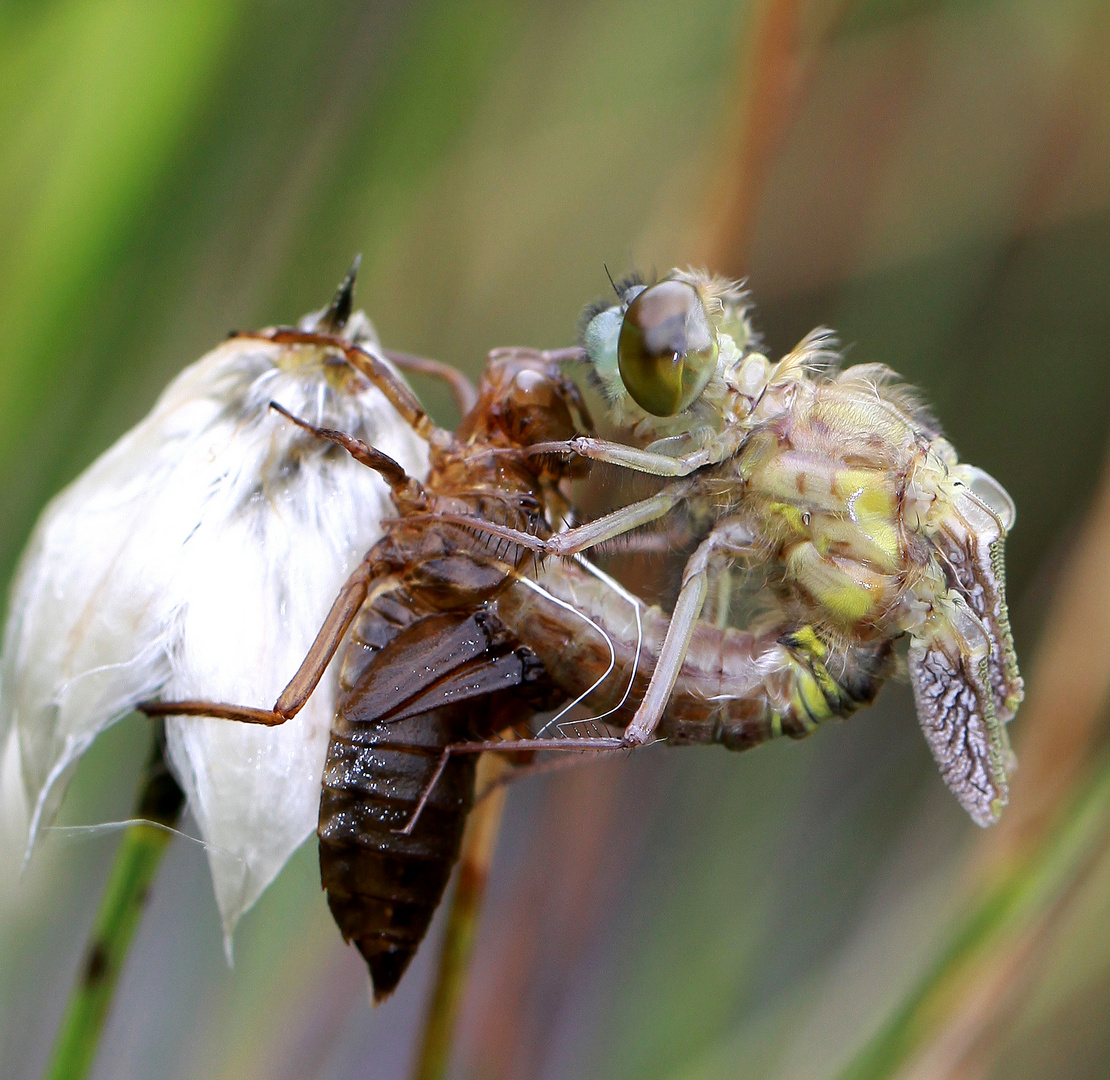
{"type": "Point", "coordinates": [383, 886]}
{"type": "Point", "coordinates": [735, 688]}
{"type": "Point", "coordinates": [411, 685]}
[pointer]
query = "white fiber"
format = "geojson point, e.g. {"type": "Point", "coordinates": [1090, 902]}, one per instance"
{"type": "Point", "coordinates": [197, 558]}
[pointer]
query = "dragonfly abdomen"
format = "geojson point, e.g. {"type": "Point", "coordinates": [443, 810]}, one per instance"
{"type": "Point", "coordinates": [384, 885]}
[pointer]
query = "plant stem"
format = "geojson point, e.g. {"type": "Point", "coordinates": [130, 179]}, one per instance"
{"type": "Point", "coordinates": [1015, 908]}
{"type": "Point", "coordinates": [137, 859]}
{"type": "Point", "coordinates": [475, 858]}
{"type": "Point", "coordinates": [1032, 865]}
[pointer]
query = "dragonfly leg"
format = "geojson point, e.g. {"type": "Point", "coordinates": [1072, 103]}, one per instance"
{"type": "Point", "coordinates": [502, 746]}
{"type": "Point", "coordinates": [244, 714]}
{"type": "Point", "coordinates": [571, 542]}
{"type": "Point", "coordinates": [303, 683]}
{"type": "Point", "coordinates": [549, 356]}
{"type": "Point", "coordinates": [392, 472]}
{"type": "Point", "coordinates": [537, 768]}
{"type": "Point", "coordinates": [645, 461]}
{"type": "Point", "coordinates": [429, 787]}
{"type": "Point", "coordinates": [730, 538]}
{"type": "Point", "coordinates": [395, 391]}
{"type": "Point", "coordinates": [462, 389]}
{"type": "Point", "coordinates": [722, 597]}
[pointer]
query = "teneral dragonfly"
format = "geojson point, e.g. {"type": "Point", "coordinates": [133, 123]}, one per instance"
{"type": "Point", "coordinates": [840, 479]}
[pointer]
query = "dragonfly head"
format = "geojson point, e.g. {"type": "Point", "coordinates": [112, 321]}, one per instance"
{"type": "Point", "coordinates": [659, 345]}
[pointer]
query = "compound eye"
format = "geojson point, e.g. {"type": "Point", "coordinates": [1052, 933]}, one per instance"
{"type": "Point", "coordinates": [667, 349]}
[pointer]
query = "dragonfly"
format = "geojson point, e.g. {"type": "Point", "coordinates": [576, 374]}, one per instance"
{"type": "Point", "coordinates": [839, 478]}
{"type": "Point", "coordinates": [451, 643]}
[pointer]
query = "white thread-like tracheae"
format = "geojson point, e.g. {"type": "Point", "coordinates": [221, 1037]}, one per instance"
{"type": "Point", "coordinates": [197, 558]}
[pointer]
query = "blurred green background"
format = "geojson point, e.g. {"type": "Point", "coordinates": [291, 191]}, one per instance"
{"type": "Point", "coordinates": [930, 178]}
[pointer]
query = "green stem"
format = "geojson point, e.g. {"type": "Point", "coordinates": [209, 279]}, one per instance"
{"type": "Point", "coordinates": [137, 859]}
{"type": "Point", "coordinates": [475, 858]}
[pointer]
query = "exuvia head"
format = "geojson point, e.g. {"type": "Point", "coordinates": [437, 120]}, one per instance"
{"type": "Point", "coordinates": [530, 400]}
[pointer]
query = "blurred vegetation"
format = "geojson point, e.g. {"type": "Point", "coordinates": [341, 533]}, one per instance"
{"type": "Point", "coordinates": [930, 178]}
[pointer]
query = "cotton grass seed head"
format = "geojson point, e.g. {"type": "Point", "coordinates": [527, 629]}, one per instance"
{"type": "Point", "coordinates": [197, 558]}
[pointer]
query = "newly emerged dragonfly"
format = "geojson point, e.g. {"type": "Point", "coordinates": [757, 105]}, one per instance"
{"type": "Point", "coordinates": [839, 479]}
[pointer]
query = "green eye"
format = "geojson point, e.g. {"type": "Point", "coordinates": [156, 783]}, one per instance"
{"type": "Point", "coordinates": [667, 349]}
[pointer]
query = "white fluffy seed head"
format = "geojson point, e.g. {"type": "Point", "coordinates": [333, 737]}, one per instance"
{"type": "Point", "coordinates": [197, 558]}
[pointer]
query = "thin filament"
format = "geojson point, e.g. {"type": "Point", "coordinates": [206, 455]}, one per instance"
{"type": "Point", "coordinates": [104, 827]}
{"type": "Point", "coordinates": [622, 592]}
{"type": "Point", "coordinates": [608, 642]}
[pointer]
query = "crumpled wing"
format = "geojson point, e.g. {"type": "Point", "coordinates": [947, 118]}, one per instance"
{"type": "Point", "coordinates": [973, 542]}
{"type": "Point", "coordinates": [197, 558]}
{"type": "Point", "coordinates": [951, 675]}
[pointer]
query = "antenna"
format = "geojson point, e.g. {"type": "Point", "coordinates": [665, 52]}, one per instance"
{"type": "Point", "coordinates": [612, 282]}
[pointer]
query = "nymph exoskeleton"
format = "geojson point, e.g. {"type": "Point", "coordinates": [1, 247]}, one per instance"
{"type": "Point", "coordinates": [839, 479]}
{"type": "Point", "coordinates": [423, 646]}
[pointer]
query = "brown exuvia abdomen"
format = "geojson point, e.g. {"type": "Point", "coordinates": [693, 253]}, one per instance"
{"type": "Point", "coordinates": [411, 685]}
{"type": "Point", "coordinates": [384, 886]}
